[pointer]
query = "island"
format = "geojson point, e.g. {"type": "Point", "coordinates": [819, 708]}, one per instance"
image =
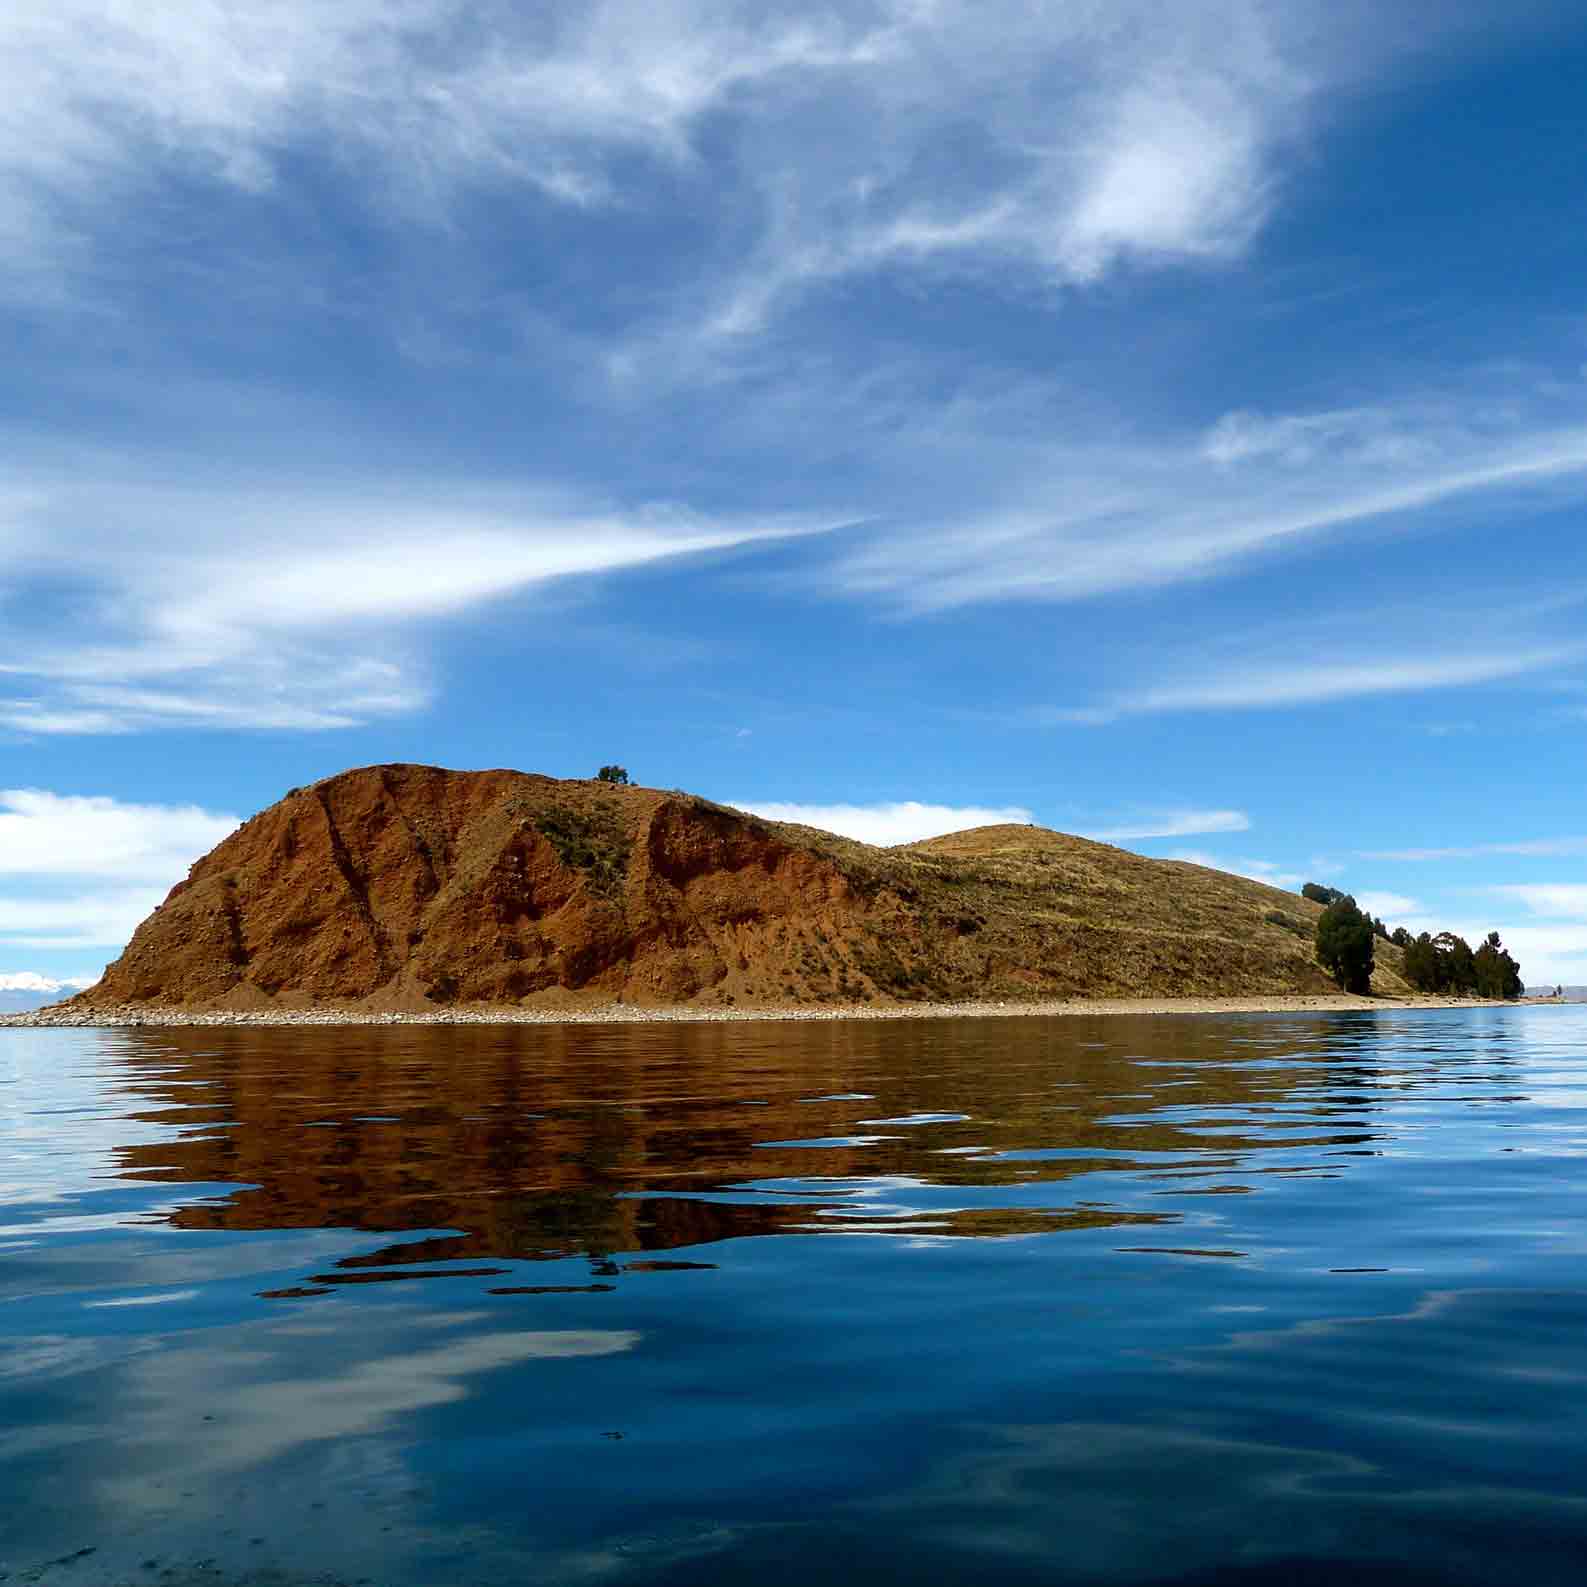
{"type": "Point", "coordinates": [409, 891]}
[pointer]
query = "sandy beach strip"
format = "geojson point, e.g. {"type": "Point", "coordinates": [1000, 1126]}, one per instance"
{"type": "Point", "coordinates": [631, 1014]}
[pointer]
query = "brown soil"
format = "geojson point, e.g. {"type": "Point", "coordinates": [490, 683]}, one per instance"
{"type": "Point", "coordinates": [411, 888]}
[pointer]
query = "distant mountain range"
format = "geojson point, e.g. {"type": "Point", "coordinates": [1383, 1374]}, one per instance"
{"type": "Point", "coordinates": [22, 1002]}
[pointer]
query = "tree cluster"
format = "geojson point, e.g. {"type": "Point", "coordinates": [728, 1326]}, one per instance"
{"type": "Point", "coordinates": [1446, 964]}
{"type": "Point", "coordinates": [1345, 943]}
{"type": "Point", "coordinates": [1328, 896]}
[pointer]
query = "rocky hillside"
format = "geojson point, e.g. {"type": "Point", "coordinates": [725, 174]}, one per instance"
{"type": "Point", "coordinates": [403, 887]}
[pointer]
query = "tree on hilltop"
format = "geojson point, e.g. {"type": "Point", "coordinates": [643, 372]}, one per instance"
{"type": "Point", "coordinates": [617, 774]}
{"type": "Point", "coordinates": [1344, 945]}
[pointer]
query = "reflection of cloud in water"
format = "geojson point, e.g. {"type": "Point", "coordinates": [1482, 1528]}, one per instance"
{"type": "Point", "coordinates": [1107, 1491]}
{"type": "Point", "coordinates": [1099, 1502]}
{"type": "Point", "coordinates": [163, 1299]}
{"type": "Point", "coordinates": [281, 1409]}
{"type": "Point", "coordinates": [1346, 1439]}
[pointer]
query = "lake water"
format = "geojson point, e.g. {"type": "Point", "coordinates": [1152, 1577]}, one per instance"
{"type": "Point", "coordinates": [1233, 1299]}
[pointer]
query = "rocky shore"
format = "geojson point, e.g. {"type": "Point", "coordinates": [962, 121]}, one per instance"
{"type": "Point", "coordinates": [623, 1013]}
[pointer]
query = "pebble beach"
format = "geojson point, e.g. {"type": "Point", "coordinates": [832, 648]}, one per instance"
{"type": "Point", "coordinates": [631, 1014]}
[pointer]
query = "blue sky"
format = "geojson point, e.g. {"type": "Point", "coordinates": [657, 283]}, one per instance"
{"type": "Point", "coordinates": [1167, 423]}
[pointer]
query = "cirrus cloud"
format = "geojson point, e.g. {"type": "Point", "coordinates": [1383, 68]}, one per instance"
{"type": "Point", "coordinates": [1172, 824]}
{"type": "Point", "coordinates": [233, 604]}
{"type": "Point", "coordinates": [1105, 132]}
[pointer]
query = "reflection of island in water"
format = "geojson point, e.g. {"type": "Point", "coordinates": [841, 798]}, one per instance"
{"type": "Point", "coordinates": [549, 1142]}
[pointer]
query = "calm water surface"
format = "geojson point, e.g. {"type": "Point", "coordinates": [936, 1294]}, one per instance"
{"type": "Point", "coordinates": [1239, 1299]}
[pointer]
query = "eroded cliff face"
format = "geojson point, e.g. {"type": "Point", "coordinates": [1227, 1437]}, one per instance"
{"type": "Point", "coordinates": [410, 886]}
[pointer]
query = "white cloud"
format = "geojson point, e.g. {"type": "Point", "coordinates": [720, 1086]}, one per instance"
{"type": "Point", "coordinates": [904, 821]}
{"type": "Point", "coordinates": [1545, 953]}
{"type": "Point", "coordinates": [1558, 900]}
{"type": "Point", "coordinates": [1253, 870]}
{"type": "Point", "coordinates": [49, 834]}
{"type": "Point", "coordinates": [1174, 824]}
{"type": "Point", "coordinates": [67, 920]}
{"type": "Point", "coordinates": [907, 821]}
{"type": "Point", "coordinates": [1389, 907]}
{"type": "Point", "coordinates": [31, 981]}
{"type": "Point", "coordinates": [83, 871]}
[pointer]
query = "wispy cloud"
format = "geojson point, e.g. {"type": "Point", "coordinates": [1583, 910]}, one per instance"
{"type": "Point", "coordinates": [902, 821]}
{"type": "Point", "coordinates": [770, 154]}
{"type": "Point", "coordinates": [1255, 687]}
{"type": "Point", "coordinates": [1072, 520]}
{"type": "Point", "coordinates": [1539, 848]}
{"type": "Point", "coordinates": [1102, 134]}
{"type": "Point", "coordinates": [1172, 824]}
{"type": "Point", "coordinates": [238, 605]}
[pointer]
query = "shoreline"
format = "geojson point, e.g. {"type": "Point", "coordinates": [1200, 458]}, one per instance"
{"type": "Point", "coordinates": [631, 1014]}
